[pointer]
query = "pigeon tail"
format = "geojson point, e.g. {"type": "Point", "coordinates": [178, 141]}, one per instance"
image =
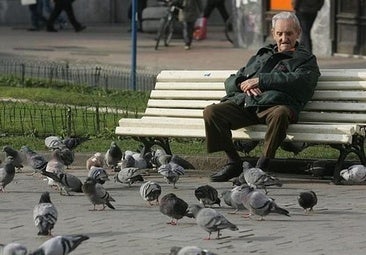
{"type": "Point", "coordinates": [276, 209]}
{"type": "Point", "coordinates": [110, 205]}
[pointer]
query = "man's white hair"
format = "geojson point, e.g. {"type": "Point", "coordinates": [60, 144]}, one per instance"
{"type": "Point", "coordinates": [286, 15]}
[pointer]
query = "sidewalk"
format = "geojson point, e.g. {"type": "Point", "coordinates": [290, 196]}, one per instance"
{"type": "Point", "coordinates": [111, 45]}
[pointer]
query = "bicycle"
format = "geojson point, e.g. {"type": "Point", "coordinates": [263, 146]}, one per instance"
{"type": "Point", "coordinates": [167, 24]}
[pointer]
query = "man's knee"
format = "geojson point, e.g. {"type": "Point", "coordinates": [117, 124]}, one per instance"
{"type": "Point", "coordinates": [209, 112]}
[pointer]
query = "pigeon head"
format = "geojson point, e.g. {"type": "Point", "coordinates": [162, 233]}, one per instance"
{"type": "Point", "coordinates": [193, 210]}
{"type": "Point", "coordinates": [45, 198]}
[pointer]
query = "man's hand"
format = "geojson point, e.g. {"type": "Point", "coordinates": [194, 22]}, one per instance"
{"type": "Point", "coordinates": [250, 87]}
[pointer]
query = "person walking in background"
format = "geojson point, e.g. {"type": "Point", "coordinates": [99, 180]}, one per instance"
{"type": "Point", "coordinates": [37, 19]}
{"type": "Point", "coordinates": [191, 10]}
{"type": "Point", "coordinates": [306, 11]}
{"type": "Point", "coordinates": [47, 8]}
{"type": "Point", "coordinates": [64, 5]}
{"type": "Point", "coordinates": [141, 5]}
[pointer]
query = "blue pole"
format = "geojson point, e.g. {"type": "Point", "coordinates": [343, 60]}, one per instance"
{"type": "Point", "coordinates": [134, 45]}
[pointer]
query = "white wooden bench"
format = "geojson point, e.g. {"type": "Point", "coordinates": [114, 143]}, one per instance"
{"type": "Point", "coordinates": [335, 116]}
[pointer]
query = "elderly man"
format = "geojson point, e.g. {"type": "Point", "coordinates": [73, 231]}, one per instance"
{"type": "Point", "coordinates": [271, 89]}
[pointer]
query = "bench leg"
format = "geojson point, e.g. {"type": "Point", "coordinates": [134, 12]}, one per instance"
{"type": "Point", "coordinates": [356, 147]}
{"type": "Point", "coordinates": [149, 142]}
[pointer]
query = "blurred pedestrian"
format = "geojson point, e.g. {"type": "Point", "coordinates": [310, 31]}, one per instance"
{"type": "Point", "coordinates": [37, 19]}
{"type": "Point", "coordinates": [306, 11]}
{"type": "Point", "coordinates": [141, 5]}
{"type": "Point", "coordinates": [64, 5]}
{"type": "Point", "coordinates": [191, 10]}
{"type": "Point", "coordinates": [47, 8]}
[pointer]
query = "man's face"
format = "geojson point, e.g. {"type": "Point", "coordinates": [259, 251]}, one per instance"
{"type": "Point", "coordinates": [285, 34]}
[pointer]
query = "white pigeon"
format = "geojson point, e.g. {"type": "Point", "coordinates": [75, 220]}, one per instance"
{"type": "Point", "coordinates": [96, 160]}
{"type": "Point", "coordinates": [45, 215]}
{"type": "Point", "coordinates": [60, 245]}
{"type": "Point", "coordinates": [257, 178]}
{"type": "Point", "coordinates": [13, 249]}
{"type": "Point", "coordinates": [171, 172]}
{"type": "Point", "coordinates": [129, 175]}
{"type": "Point", "coordinates": [354, 173]}
{"type": "Point", "coordinates": [55, 165]}
{"type": "Point", "coordinates": [237, 195]}
{"type": "Point", "coordinates": [150, 192]}
{"type": "Point", "coordinates": [189, 250]}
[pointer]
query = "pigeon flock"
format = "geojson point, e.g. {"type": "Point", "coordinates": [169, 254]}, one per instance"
{"type": "Point", "coordinates": [249, 193]}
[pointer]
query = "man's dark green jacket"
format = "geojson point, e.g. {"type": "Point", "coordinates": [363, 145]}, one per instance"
{"type": "Point", "coordinates": [286, 78]}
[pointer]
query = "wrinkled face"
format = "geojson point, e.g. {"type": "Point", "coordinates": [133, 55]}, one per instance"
{"type": "Point", "coordinates": [285, 33]}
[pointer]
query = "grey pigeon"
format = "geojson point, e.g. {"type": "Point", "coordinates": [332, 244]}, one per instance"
{"type": "Point", "coordinates": [210, 220]}
{"type": "Point", "coordinates": [237, 195]}
{"type": "Point", "coordinates": [73, 141]}
{"type": "Point", "coordinates": [45, 215]}
{"type": "Point", "coordinates": [55, 165]}
{"type": "Point", "coordinates": [307, 200]}
{"type": "Point", "coordinates": [129, 175]}
{"type": "Point", "coordinates": [174, 207]}
{"type": "Point", "coordinates": [35, 160]}
{"type": "Point", "coordinates": [96, 160]}
{"type": "Point", "coordinates": [294, 147]}
{"type": "Point", "coordinates": [171, 172]}
{"type": "Point", "coordinates": [67, 182]}
{"type": "Point", "coordinates": [207, 195]}
{"type": "Point", "coordinates": [189, 250]}
{"type": "Point", "coordinates": [240, 180]}
{"type": "Point", "coordinates": [67, 156]}
{"type": "Point", "coordinates": [97, 194]}
{"type": "Point", "coordinates": [13, 249]}
{"type": "Point", "coordinates": [7, 173]}
{"type": "Point", "coordinates": [257, 178]}
{"type": "Point", "coordinates": [261, 205]}
{"type": "Point", "coordinates": [150, 191]}
{"type": "Point", "coordinates": [14, 155]}
{"type": "Point", "coordinates": [113, 155]}
{"type": "Point", "coordinates": [60, 245]}
{"type": "Point", "coordinates": [354, 173]}
{"type": "Point", "coordinates": [99, 174]}
{"type": "Point", "coordinates": [127, 161]}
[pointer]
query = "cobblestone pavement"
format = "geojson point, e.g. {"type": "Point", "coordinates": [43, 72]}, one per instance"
{"type": "Point", "coordinates": [336, 227]}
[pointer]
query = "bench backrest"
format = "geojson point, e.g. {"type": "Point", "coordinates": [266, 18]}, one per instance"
{"type": "Point", "coordinates": [340, 95]}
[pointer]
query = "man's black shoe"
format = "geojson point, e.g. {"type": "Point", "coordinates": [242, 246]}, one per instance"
{"type": "Point", "coordinates": [229, 171]}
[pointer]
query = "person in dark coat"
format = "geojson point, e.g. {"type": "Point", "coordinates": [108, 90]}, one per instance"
{"type": "Point", "coordinates": [271, 89]}
{"type": "Point", "coordinates": [306, 11]}
{"type": "Point", "coordinates": [141, 5]}
{"type": "Point", "coordinates": [64, 5]}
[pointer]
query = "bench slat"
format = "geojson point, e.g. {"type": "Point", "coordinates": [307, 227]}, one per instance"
{"type": "Point", "coordinates": [237, 134]}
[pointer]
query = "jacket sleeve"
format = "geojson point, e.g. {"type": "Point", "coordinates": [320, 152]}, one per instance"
{"type": "Point", "coordinates": [299, 82]}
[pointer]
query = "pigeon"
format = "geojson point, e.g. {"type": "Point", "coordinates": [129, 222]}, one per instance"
{"type": "Point", "coordinates": [67, 156]}
{"type": "Point", "coordinates": [60, 245]}
{"type": "Point", "coordinates": [72, 142]}
{"type": "Point", "coordinates": [354, 173]}
{"type": "Point", "coordinates": [150, 191]}
{"type": "Point", "coordinates": [307, 200]}
{"type": "Point", "coordinates": [237, 195]}
{"type": "Point", "coordinates": [99, 174]}
{"type": "Point", "coordinates": [45, 215]}
{"type": "Point", "coordinates": [210, 220]}
{"type": "Point", "coordinates": [66, 181]}
{"type": "Point", "coordinates": [127, 161]}
{"type": "Point", "coordinates": [171, 172]}
{"type": "Point", "coordinates": [35, 160]}
{"type": "Point", "coordinates": [159, 157]}
{"type": "Point", "coordinates": [97, 194]}
{"type": "Point", "coordinates": [189, 250]}
{"type": "Point", "coordinates": [7, 173]}
{"type": "Point", "coordinates": [174, 207]}
{"type": "Point", "coordinates": [257, 178]}
{"type": "Point", "coordinates": [14, 155]}
{"type": "Point", "coordinates": [261, 205]}
{"type": "Point", "coordinates": [113, 155]}
{"type": "Point", "coordinates": [240, 180]}
{"type": "Point", "coordinates": [96, 160]}
{"type": "Point", "coordinates": [294, 147]}
{"type": "Point", "coordinates": [207, 195]}
{"type": "Point", "coordinates": [55, 165]}
{"type": "Point", "coordinates": [129, 175]}
{"type": "Point", "coordinates": [54, 142]}
{"type": "Point", "coordinates": [13, 249]}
